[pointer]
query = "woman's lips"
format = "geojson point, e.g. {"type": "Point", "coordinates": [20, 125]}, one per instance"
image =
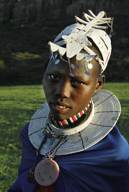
{"type": "Point", "coordinates": [60, 108]}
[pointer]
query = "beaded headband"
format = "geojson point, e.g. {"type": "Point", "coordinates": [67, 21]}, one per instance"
{"type": "Point", "coordinates": [75, 40]}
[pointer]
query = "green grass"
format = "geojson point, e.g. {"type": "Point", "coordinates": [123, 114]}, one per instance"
{"type": "Point", "coordinates": [17, 104]}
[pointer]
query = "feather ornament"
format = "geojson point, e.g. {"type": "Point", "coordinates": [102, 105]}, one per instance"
{"type": "Point", "coordinates": [54, 47]}
{"type": "Point", "coordinates": [94, 21]}
{"type": "Point", "coordinates": [76, 38]}
{"type": "Point", "coordinates": [75, 42]}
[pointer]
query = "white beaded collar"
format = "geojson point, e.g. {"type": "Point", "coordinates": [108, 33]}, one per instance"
{"type": "Point", "coordinates": [105, 113]}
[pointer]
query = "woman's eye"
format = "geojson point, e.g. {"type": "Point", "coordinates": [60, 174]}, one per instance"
{"type": "Point", "coordinates": [76, 83]}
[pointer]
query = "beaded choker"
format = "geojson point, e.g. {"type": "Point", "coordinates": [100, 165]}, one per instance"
{"type": "Point", "coordinates": [73, 119]}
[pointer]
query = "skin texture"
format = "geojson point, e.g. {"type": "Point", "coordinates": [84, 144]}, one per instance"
{"type": "Point", "coordinates": [69, 89]}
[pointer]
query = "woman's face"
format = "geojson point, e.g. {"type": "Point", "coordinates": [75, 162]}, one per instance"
{"type": "Point", "coordinates": [69, 87]}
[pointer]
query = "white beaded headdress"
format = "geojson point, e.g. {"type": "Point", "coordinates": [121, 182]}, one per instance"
{"type": "Point", "coordinates": [76, 39]}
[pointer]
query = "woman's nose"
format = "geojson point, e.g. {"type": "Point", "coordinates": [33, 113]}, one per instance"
{"type": "Point", "coordinates": [64, 89]}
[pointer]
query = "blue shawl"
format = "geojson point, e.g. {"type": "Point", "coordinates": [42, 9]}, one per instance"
{"type": "Point", "coordinates": [102, 168]}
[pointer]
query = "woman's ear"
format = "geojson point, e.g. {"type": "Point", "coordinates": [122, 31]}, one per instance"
{"type": "Point", "coordinates": [100, 82]}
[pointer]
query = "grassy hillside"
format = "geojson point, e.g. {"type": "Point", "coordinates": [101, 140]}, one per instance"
{"type": "Point", "coordinates": [17, 104]}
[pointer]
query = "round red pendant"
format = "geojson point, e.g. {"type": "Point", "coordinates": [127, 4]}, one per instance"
{"type": "Point", "coordinates": [46, 172]}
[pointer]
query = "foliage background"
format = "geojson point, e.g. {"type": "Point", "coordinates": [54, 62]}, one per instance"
{"type": "Point", "coordinates": [27, 25]}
